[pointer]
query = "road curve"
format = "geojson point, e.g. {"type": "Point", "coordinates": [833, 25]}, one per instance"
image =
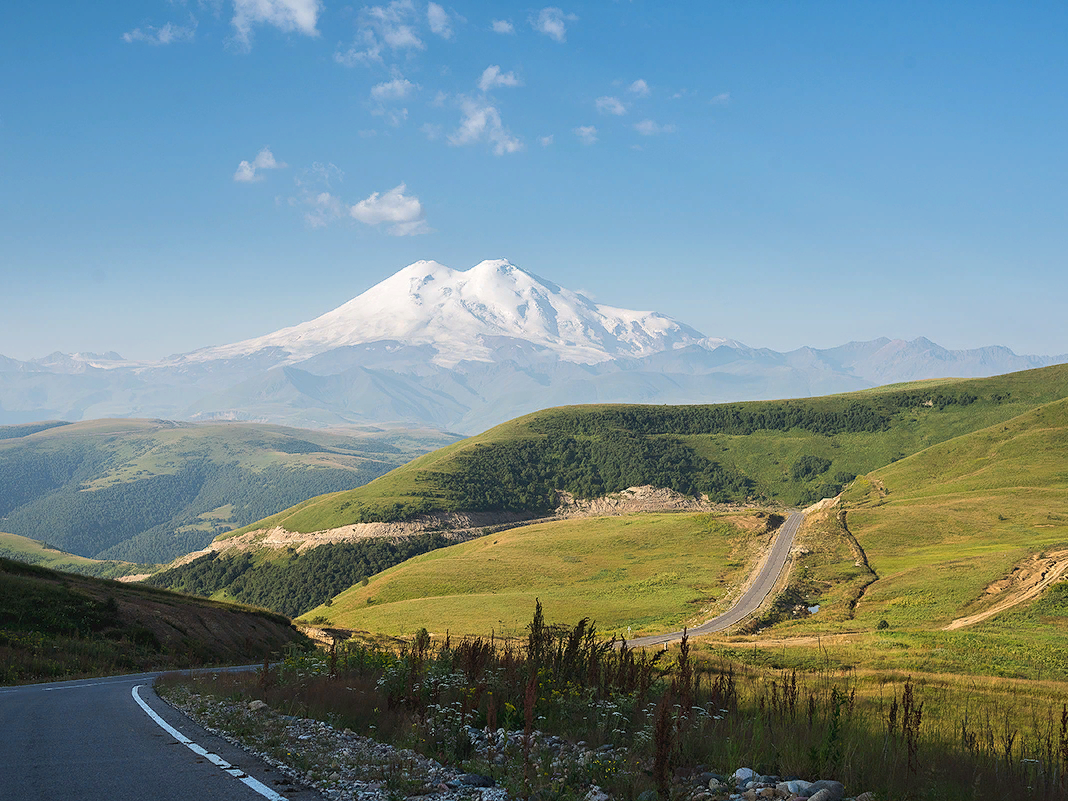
{"type": "Point", "coordinates": [90, 740]}
{"type": "Point", "coordinates": [767, 574]}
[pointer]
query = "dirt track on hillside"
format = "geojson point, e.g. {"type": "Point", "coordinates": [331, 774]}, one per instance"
{"type": "Point", "coordinates": [1025, 582]}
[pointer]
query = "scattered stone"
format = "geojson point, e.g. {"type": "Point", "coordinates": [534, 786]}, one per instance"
{"type": "Point", "coordinates": [256, 706]}
{"type": "Point", "coordinates": [744, 774]}
{"type": "Point", "coordinates": [596, 794]}
{"type": "Point", "coordinates": [868, 796]}
{"type": "Point", "coordinates": [835, 790]}
{"type": "Point", "coordinates": [795, 787]}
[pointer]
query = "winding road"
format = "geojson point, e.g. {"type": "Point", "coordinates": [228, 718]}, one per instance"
{"type": "Point", "coordinates": [751, 600]}
{"type": "Point", "coordinates": [113, 739]}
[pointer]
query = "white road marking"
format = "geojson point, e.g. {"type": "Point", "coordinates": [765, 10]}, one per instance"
{"type": "Point", "coordinates": [215, 759]}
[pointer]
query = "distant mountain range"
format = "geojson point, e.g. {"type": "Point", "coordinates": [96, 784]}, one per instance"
{"type": "Point", "coordinates": [462, 351]}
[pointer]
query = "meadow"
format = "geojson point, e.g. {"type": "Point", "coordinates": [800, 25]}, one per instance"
{"type": "Point", "coordinates": [633, 574]}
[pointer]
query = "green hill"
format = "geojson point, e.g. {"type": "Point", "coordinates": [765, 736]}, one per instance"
{"type": "Point", "coordinates": [952, 560]}
{"type": "Point", "coordinates": [151, 490]}
{"type": "Point", "coordinates": [941, 527]}
{"type": "Point", "coordinates": [790, 452]}
{"type": "Point", "coordinates": [55, 625]}
{"type": "Point", "coordinates": [32, 552]}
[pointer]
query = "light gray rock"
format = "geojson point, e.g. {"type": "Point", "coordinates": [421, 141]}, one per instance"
{"type": "Point", "coordinates": [835, 790]}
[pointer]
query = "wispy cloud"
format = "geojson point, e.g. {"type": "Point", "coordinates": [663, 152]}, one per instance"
{"type": "Point", "coordinates": [315, 189]}
{"type": "Point", "coordinates": [288, 16]}
{"type": "Point", "coordinates": [639, 87]}
{"type": "Point", "coordinates": [397, 89]}
{"type": "Point", "coordinates": [164, 35]}
{"type": "Point", "coordinates": [545, 141]}
{"type": "Point", "coordinates": [481, 122]}
{"type": "Point", "coordinates": [247, 171]}
{"type": "Point", "coordinates": [553, 23]}
{"type": "Point", "coordinates": [651, 128]}
{"type": "Point", "coordinates": [502, 26]}
{"type": "Point", "coordinates": [438, 19]}
{"type": "Point", "coordinates": [391, 26]}
{"type": "Point", "coordinates": [721, 99]}
{"type": "Point", "coordinates": [405, 212]}
{"type": "Point", "coordinates": [610, 105]}
{"type": "Point", "coordinates": [493, 77]}
{"type": "Point", "coordinates": [587, 134]}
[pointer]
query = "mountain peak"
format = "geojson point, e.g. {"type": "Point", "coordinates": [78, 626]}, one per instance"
{"type": "Point", "coordinates": [465, 314]}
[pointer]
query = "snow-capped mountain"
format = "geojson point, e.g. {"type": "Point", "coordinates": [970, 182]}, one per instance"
{"type": "Point", "coordinates": [464, 315]}
{"type": "Point", "coordinates": [462, 351]}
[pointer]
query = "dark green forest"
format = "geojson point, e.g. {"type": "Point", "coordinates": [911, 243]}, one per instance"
{"type": "Point", "coordinates": [524, 475]}
{"type": "Point", "coordinates": [296, 582]}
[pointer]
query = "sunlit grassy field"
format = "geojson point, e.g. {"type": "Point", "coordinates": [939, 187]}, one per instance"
{"type": "Point", "coordinates": [638, 573]}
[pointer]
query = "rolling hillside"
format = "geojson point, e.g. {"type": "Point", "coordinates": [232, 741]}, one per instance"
{"type": "Point", "coordinates": [789, 452]}
{"type": "Point", "coordinates": [151, 490]}
{"type": "Point", "coordinates": [782, 453]}
{"type": "Point", "coordinates": [953, 559]}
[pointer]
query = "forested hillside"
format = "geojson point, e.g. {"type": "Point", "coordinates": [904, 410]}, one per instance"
{"type": "Point", "coordinates": [290, 582]}
{"type": "Point", "coordinates": [148, 491]}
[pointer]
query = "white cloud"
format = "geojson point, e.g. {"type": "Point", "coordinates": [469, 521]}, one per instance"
{"type": "Point", "coordinates": [162, 36]}
{"type": "Point", "coordinates": [639, 87]}
{"type": "Point", "coordinates": [439, 99]}
{"type": "Point", "coordinates": [553, 23]}
{"type": "Point", "coordinates": [438, 18]}
{"type": "Point", "coordinates": [391, 26]}
{"type": "Point", "coordinates": [610, 105]}
{"type": "Point", "coordinates": [265, 160]}
{"type": "Point", "coordinates": [404, 211]}
{"type": "Point", "coordinates": [651, 128]}
{"type": "Point", "coordinates": [492, 76]}
{"type": "Point", "coordinates": [286, 15]}
{"type": "Point", "coordinates": [502, 26]}
{"type": "Point", "coordinates": [397, 89]}
{"type": "Point", "coordinates": [431, 130]}
{"type": "Point", "coordinates": [482, 122]}
{"type": "Point", "coordinates": [721, 99]}
{"type": "Point", "coordinates": [545, 141]}
{"type": "Point", "coordinates": [587, 134]}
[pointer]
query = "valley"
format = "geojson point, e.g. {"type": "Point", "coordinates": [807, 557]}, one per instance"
{"type": "Point", "coordinates": [152, 490]}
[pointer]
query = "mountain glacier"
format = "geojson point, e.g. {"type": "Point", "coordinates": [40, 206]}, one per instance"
{"type": "Point", "coordinates": [461, 351]}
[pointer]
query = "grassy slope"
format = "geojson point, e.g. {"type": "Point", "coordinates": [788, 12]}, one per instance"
{"type": "Point", "coordinates": [647, 572]}
{"type": "Point", "coordinates": [764, 456]}
{"type": "Point", "coordinates": [55, 625]}
{"type": "Point", "coordinates": [150, 490]}
{"type": "Point", "coordinates": [959, 515]}
{"type": "Point", "coordinates": [33, 552]}
{"type": "Point", "coordinates": [938, 528]}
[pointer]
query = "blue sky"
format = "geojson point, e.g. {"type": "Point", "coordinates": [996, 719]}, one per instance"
{"type": "Point", "coordinates": [179, 174]}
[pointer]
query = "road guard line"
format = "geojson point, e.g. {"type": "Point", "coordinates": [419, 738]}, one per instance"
{"type": "Point", "coordinates": [215, 759]}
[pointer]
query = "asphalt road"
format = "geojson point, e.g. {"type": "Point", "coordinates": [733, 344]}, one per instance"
{"type": "Point", "coordinates": [90, 740]}
{"type": "Point", "coordinates": [767, 575]}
